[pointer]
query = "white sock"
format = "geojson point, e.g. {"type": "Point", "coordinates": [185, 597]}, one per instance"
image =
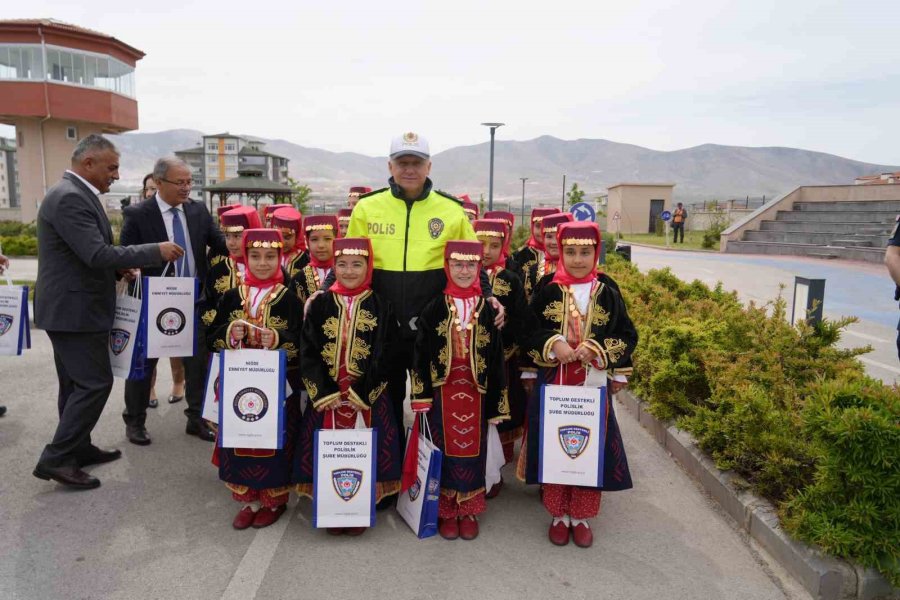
{"type": "Point", "coordinates": [254, 506]}
{"type": "Point", "coordinates": [581, 522]}
{"type": "Point", "coordinates": [562, 519]}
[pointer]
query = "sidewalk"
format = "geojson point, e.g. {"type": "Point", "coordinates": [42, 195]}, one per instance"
{"type": "Point", "coordinates": [852, 288]}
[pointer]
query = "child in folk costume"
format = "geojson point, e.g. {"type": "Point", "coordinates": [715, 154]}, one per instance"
{"type": "Point", "coordinates": [344, 221]}
{"type": "Point", "coordinates": [346, 349]}
{"type": "Point", "coordinates": [289, 221]}
{"type": "Point", "coordinates": [510, 220]}
{"type": "Point", "coordinates": [548, 260]}
{"type": "Point", "coordinates": [262, 312]}
{"type": "Point", "coordinates": [495, 234]}
{"type": "Point", "coordinates": [460, 382]}
{"type": "Point", "coordinates": [228, 273]}
{"type": "Point", "coordinates": [321, 231]}
{"type": "Point", "coordinates": [470, 208]}
{"type": "Point", "coordinates": [529, 254]}
{"type": "Point", "coordinates": [213, 256]}
{"type": "Point", "coordinates": [582, 326]}
{"type": "Point", "coordinates": [269, 210]}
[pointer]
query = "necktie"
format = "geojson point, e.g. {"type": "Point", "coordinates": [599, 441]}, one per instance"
{"type": "Point", "coordinates": [178, 234]}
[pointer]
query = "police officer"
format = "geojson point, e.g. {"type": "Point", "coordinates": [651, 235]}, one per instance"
{"type": "Point", "coordinates": [409, 222]}
{"type": "Point", "coordinates": [892, 260]}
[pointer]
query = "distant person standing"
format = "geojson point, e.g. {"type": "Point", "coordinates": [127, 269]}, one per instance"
{"type": "Point", "coordinates": [75, 302]}
{"type": "Point", "coordinates": [355, 193]}
{"type": "Point", "coordinates": [149, 187]}
{"type": "Point", "coordinates": [678, 219]}
{"type": "Point", "coordinates": [892, 260]}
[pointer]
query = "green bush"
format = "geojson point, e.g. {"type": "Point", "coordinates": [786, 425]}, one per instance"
{"type": "Point", "coordinates": [713, 233]}
{"type": "Point", "coordinates": [14, 228]}
{"type": "Point", "coordinates": [19, 245]}
{"type": "Point", "coordinates": [781, 405]}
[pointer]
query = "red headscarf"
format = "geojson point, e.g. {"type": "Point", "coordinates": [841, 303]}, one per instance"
{"type": "Point", "coordinates": [237, 220]}
{"type": "Point", "coordinates": [354, 247]}
{"type": "Point", "coordinates": [263, 238]}
{"type": "Point", "coordinates": [497, 228]}
{"type": "Point", "coordinates": [320, 223]}
{"type": "Point", "coordinates": [584, 233]}
{"type": "Point", "coordinates": [550, 224]}
{"type": "Point", "coordinates": [537, 216]}
{"type": "Point", "coordinates": [463, 250]}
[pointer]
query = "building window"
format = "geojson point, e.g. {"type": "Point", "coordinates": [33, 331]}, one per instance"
{"type": "Point", "coordinates": [212, 159]}
{"type": "Point", "coordinates": [212, 182]}
{"type": "Point", "coordinates": [212, 146]}
{"type": "Point", "coordinates": [71, 133]}
{"type": "Point", "coordinates": [229, 147]}
{"type": "Point", "coordinates": [21, 61]}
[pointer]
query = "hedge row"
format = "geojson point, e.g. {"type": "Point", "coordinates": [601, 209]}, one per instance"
{"type": "Point", "coordinates": [783, 406]}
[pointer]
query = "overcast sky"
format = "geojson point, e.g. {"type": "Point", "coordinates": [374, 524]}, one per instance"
{"type": "Point", "coordinates": [346, 76]}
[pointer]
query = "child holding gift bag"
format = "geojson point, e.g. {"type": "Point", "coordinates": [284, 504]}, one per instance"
{"type": "Point", "coordinates": [228, 273]}
{"type": "Point", "coordinates": [459, 380]}
{"type": "Point", "coordinates": [582, 326]}
{"type": "Point", "coordinates": [346, 349]}
{"type": "Point", "coordinates": [262, 312]}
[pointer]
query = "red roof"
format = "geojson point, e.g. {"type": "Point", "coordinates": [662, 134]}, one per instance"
{"type": "Point", "coordinates": [62, 28]}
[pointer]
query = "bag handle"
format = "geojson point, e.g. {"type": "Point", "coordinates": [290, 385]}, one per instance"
{"type": "Point", "coordinates": [6, 271]}
{"type": "Point", "coordinates": [426, 428]}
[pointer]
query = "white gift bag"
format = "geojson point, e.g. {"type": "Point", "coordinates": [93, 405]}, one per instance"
{"type": "Point", "coordinates": [572, 435]}
{"type": "Point", "coordinates": [251, 398]}
{"type": "Point", "coordinates": [171, 318]}
{"type": "Point", "coordinates": [127, 338]}
{"type": "Point", "coordinates": [418, 505]}
{"type": "Point", "coordinates": [210, 393]}
{"type": "Point", "coordinates": [494, 460]}
{"type": "Point", "coordinates": [15, 326]}
{"type": "Point", "coordinates": [344, 477]}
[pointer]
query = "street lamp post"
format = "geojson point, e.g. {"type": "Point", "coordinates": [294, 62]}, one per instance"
{"type": "Point", "coordinates": [524, 179]}
{"type": "Point", "coordinates": [493, 127]}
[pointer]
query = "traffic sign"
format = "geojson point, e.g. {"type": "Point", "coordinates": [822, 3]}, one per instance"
{"type": "Point", "coordinates": [583, 212]}
{"type": "Point", "coordinates": [665, 216]}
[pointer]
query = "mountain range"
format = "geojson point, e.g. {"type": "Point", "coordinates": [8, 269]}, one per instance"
{"type": "Point", "coordinates": [705, 172]}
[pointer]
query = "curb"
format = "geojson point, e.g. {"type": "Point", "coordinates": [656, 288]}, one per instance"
{"type": "Point", "coordinates": [669, 248]}
{"type": "Point", "coordinates": [823, 576]}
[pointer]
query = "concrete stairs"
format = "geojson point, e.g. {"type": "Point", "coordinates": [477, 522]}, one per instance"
{"type": "Point", "coordinates": [847, 230]}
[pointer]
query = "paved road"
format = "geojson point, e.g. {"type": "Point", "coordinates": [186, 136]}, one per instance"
{"type": "Point", "coordinates": [863, 290]}
{"type": "Point", "coordinates": [159, 527]}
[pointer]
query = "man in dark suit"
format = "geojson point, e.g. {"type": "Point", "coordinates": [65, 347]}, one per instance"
{"type": "Point", "coordinates": [172, 216]}
{"type": "Point", "coordinates": [75, 301]}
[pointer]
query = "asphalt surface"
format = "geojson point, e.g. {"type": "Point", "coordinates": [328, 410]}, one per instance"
{"type": "Point", "coordinates": [160, 527]}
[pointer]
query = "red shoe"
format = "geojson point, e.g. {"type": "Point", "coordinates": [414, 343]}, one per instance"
{"type": "Point", "coordinates": [267, 516]}
{"type": "Point", "coordinates": [335, 530]}
{"type": "Point", "coordinates": [468, 527]}
{"type": "Point", "coordinates": [495, 490]}
{"type": "Point", "coordinates": [582, 535]}
{"type": "Point", "coordinates": [559, 533]}
{"type": "Point", "coordinates": [448, 528]}
{"type": "Point", "coordinates": [244, 518]}
{"type": "Point", "coordinates": [355, 531]}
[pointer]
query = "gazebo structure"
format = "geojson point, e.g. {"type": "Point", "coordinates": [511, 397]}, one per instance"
{"type": "Point", "coordinates": [249, 183]}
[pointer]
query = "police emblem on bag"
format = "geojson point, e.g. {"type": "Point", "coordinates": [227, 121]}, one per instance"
{"type": "Point", "coordinates": [346, 482]}
{"type": "Point", "coordinates": [433, 485]}
{"type": "Point", "coordinates": [6, 322]}
{"type": "Point", "coordinates": [250, 404]}
{"type": "Point", "coordinates": [574, 439]}
{"type": "Point", "coordinates": [414, 489]}
{"type": "Point", "coordinates": [118, 340]}
{"type": "Point", "coordinates": [435, 228]}
{"type": "Point", "coordinates": [171, 321]}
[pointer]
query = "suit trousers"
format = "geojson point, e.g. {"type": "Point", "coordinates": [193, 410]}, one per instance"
{"type": "Point", "coordinates": [85, 381]}
{"type": "Point", "coordinates": [137, 392]}
{"type": "Point", "coordinates": [402, 363]}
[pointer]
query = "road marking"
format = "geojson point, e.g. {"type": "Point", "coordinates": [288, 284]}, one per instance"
{"type": "Point", "coordinates": [866, 336]}
{"type": "Point", "coordinates": [252, 569]}
{"type": "Point", "coordinates": [880, 365]}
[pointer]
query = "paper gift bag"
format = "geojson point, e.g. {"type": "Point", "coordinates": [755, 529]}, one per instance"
{"type": "Point", "coordinates": [251, 399]}
{"type": "Point", "coordinates": [418, 505]}
{"type": "Point", "coordinates": [15, 326]}
{"type": "Point", "coordinates": [344, 477]}
{"type": "Point", "coordinates": [127, 338]}
{"type": "Point", "coordinates": [210, 410]}
{"type": "Point", "coordinates": [572, 435]}
{"type": "Point", "coordinates": [170, 316]}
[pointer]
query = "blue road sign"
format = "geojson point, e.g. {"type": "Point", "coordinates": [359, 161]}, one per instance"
{"type": "Point", "coordinates": [583, 212]}
{"type": "Point", "coordinates": [666, 215]}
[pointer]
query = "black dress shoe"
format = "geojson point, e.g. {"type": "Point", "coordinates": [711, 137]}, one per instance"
{"type": "Point", "coordinates": [137, 435]}
{"type": "Point", "coordinates": [201, 430]}
{"type": "Point", "coordinates": [96, 456]}
{"type": "Point", "coordinates": [152, 403]}
{"type": "Point", "coordinates": [69, 475]}
{"type": "Point", "coordinates": [2, 410]}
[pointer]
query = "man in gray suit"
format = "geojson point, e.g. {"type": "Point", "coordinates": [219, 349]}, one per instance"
{"type": "Point", "coordinates": [74, 302]}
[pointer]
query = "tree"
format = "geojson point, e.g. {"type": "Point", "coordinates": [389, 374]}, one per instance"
{"type": "Point", "coordinates": [575, 195]}
{"type": "Point", "coordinates": [300, 198]}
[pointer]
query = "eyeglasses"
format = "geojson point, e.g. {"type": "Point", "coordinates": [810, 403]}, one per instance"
{"type": "Point", "coordinates": [464, 266]}
{"type": "Point", "coordinates": [188, 183]}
